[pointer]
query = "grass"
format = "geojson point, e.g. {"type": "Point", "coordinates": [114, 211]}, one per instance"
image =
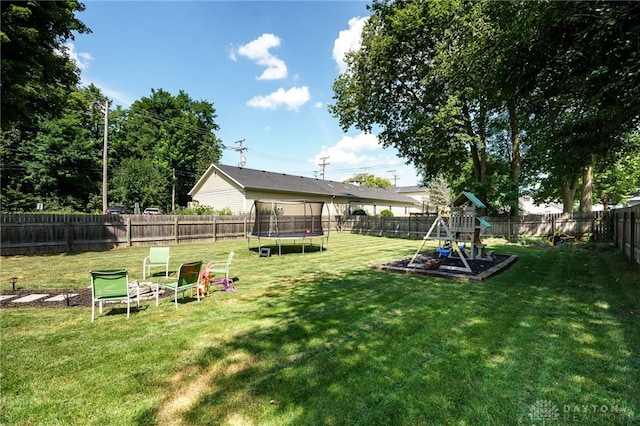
{"type": "Point", "coordinates": [323, 339]}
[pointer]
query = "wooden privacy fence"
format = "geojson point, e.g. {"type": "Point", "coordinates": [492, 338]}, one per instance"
{"type": "Point", "coordinates": [595, 224]}
{"type": "Point", "coordinates": [50, 233]}
{"type": "Point", "coordinates": [23, 234]}
{"type": "Point", "coordinates": [626, 234]}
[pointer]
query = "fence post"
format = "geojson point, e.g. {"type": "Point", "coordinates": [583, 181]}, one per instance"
{"type": "Point", "coordinates": [632, 236]}
{"type": "Point", "coordinates": [128, 232]}
{"type": "Point", "coordinates": [176, 229]}
{"type": "Point", "coordinates": [68, 231]}
{"type": "Point", "coordinates": [624, 233]}
{"type": "Point", "coordinates": [215, 229]}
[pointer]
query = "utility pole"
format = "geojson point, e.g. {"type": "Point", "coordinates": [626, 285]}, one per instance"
{"type": "Point", "coordinates": [241, 149]}
{"type": "Point", "coordinates": [323, 164]}
{"type": "Point", "coordinates": [395, 177]}
{"type": "Point", "coordinates": [105, 203]}
{"type": "Point", "coordinates": [173, 192]}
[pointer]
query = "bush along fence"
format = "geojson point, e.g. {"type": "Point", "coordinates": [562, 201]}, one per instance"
{"type": "Point", "coordinates": [23, 234]}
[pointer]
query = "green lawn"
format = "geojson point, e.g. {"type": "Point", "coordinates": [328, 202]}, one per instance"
{"type": "Point", "coordinates": [322, 339]}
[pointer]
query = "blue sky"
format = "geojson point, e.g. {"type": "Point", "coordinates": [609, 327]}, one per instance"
{"type": "Point", "coordinates": [267, 67]}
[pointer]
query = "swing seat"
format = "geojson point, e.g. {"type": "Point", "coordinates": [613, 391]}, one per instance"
{"type": "Point", "coordinates": [443, 252]}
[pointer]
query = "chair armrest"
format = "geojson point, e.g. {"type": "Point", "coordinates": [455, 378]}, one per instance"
{"type": "Point", "coordinates": [167, 280]}
{"type": "Point", "coordinates": [209, 265]}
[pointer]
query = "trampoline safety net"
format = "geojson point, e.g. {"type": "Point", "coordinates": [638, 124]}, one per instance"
{"type": "Point", "coordinates": [287, 219]}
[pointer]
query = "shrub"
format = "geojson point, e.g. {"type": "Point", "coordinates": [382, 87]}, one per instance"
{"type": "Point", "coordinates": [202, 210]}
{"type": "Point", "coordinates": [386, 213]}
{"type": "Point", "coordinates": [359, 212]}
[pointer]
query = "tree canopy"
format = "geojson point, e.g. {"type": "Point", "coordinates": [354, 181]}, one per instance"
{"type": "Point", "coordinates": [550, 88]}
{"type": "Point", "coordinates": [169, 137]}
{"type": "Point", "coordinates": [372, 181]}
{"type": "Point", "coordinates": [37, 74]}
{"type": "Point", "coordinates": [53, 129]}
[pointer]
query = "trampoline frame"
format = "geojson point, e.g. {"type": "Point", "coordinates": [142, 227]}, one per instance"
{"type": "Point", "coordinates": [279, 237]}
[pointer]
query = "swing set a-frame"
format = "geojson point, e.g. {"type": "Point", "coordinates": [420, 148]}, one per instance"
{"type": "Point", "coordinates": [464, 227]}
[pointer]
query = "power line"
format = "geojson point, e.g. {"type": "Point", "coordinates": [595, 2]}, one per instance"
{"type": "Point", "coordinates": [162, 118]}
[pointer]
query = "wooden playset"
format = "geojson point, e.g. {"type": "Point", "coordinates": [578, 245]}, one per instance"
{"type": "Point", "coordinates": [460, 236]}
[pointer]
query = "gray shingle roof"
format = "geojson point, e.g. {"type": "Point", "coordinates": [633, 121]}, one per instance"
{"type": "Point", "coordinates": [280, 182]}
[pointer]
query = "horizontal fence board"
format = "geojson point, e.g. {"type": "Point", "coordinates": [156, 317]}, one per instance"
{"type": "Point", "coordinates": [23, 234]}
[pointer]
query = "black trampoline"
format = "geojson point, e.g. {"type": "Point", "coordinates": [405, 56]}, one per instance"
{"type": "Point", "coordinates": [287, 221]}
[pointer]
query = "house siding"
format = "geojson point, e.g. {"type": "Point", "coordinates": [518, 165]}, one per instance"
{"type": "Point", "coordinates": [219, 193]}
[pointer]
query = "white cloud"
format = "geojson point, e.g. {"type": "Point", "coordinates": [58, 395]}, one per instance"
{"type": "Point", "coordinates": [351, 151]}
{"type": "Point", "coordinates": [363, 153]}
{"type": "Point", "coordinates": [292, 99]}
{"type": "Point", "coordinates": [258, 51]}
{"type": "Point", "coordinates": [81, 59]}
{"type": "Point", "coordinates": [119, 98]}
{"type": "Point", "coordinates": [318, 104]}
{"type": "Point", "coordinates": [348, 40]}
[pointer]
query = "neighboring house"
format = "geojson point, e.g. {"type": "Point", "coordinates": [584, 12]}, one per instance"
{"type": "Point", "coordinates": [635, 200]}
{"type": "Point", "coordinates": [236, 188]}
{"type": "Point", "coordinates": [527, 206]}
{"type": "Point", "coordinates": [418, 193]}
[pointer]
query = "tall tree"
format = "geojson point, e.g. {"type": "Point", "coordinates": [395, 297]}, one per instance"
{"type": "Point", "coordinates": [587, 95]}
{"type": "Point", "coordinates": [440, 194]}
{"type": "Point", "coordinates": [65, 169]}
{"type": "Point", "coordinates": [37, 79]}
{"type": "Point", "coordinates": [60, 164]}
{"type": "Point", "coordinates": [422, 76]}
{"type": "Point", "coordinates": [175, 132]}
{"type": "Point", "coordinates": [394, 82]}
{"type": "Point", "coordinates": [438, 77]}
{"type": "Point", "coordinates": [37, 74]}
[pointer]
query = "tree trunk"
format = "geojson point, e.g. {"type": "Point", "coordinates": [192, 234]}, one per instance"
{"type": "Point", "coordinates": [568, 193]}
{"type": "Point", "coordinates": [478, 146]}
{"type": "Point", "coordinates": [479, 169]}
{"type": "Point", "coordinates": [586, 198]}
{"type": "Point", "coordinates": [516, 161]}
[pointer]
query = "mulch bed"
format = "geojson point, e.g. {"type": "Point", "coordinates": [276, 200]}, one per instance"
{"type": "Point", "coordinates": [480, 269]}
{"type": "Point", "coordinates": [83, 299]}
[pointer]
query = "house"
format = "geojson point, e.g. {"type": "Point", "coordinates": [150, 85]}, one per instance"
{"type": "Point", "coordinates": [634, 200]}
{"type": "Point", "coordinates": [528, 206]}
{"type": "Point", "coordinates": [236, 188]}
{"type": "Point", "coordinates": [418, 193]}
